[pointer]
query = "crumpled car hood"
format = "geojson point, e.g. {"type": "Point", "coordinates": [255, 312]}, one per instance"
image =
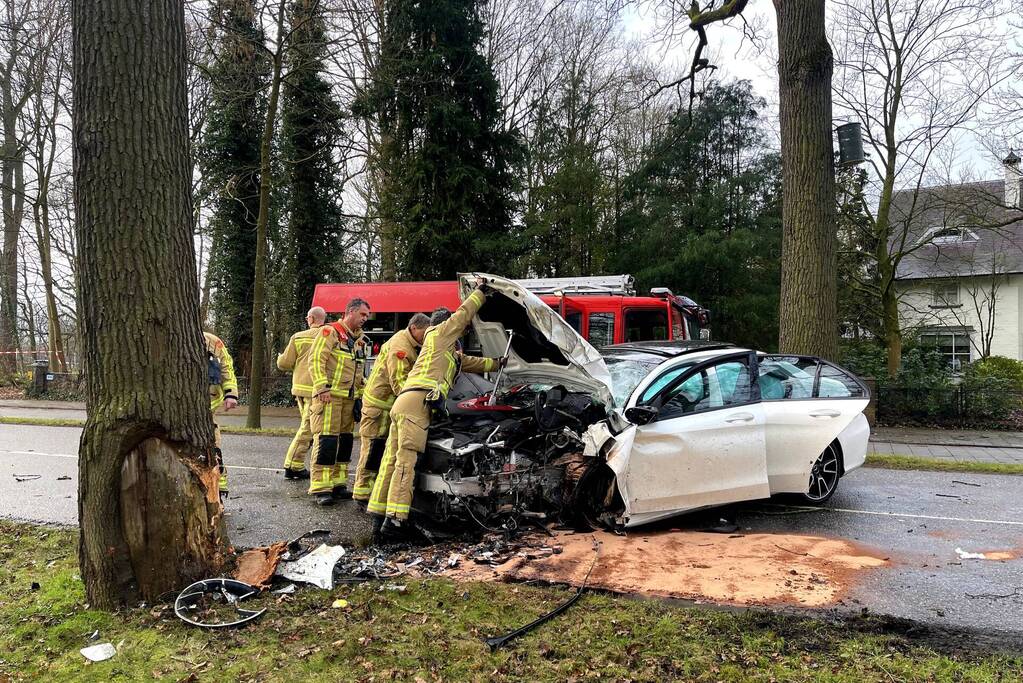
{"type": "Point", "coordinates": [545, 349]}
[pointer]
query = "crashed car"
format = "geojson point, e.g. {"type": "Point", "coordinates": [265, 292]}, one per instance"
{"type": "Point", "coordinates": [632, 433]}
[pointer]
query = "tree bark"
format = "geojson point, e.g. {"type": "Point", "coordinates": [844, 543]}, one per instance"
{"type": "Point", "coordinates": [150, 520]}
{"type": "Point", "coordinates": [809, 308]}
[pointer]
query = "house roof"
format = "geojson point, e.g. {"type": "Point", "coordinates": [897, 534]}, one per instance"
{"type": "Point", "coordinates": [991, 233]}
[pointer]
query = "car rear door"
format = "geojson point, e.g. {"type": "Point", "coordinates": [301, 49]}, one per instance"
{"type": "Point", "coordinates": [807, 403]}
{"type": "Point", "coordinates": [707, 444]}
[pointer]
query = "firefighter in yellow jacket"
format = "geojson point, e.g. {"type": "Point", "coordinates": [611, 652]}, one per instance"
{"type": "Point", "coordinates": [435, 370]}
{"type": "Point", "coordinates": [295, 360]}
{"type": "Point", "coordinates": [386, 381]}
{"type": "Point", "coordinates": [223, 392]}
{"type": "Point", "coordinates": [336, 364]}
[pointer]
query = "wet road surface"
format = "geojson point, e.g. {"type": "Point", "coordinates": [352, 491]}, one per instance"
{"type": "Point", "coordinates": [915, 520]}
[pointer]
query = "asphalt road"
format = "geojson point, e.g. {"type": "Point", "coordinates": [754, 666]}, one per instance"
{"type": "Point", "coordinates": [915, 519]}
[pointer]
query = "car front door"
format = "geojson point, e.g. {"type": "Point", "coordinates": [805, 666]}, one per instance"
{"type": "Point", "coordinates": [705, 447]}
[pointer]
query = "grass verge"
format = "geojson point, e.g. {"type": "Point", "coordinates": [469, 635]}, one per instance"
{"type": "Point", "coordinates": [64, 422]}
{"type": "Point", "coordinates": [434, 630]}
{"type": "Point", "coordinates": [914, 462]}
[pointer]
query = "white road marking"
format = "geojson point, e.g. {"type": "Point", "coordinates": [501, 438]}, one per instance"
{"type": "Point", "coordinates": [74, 456]}
{"type": "Point", "coordinates": [877, 513]}
{"type": "Point", "coordinates": [850, 511]}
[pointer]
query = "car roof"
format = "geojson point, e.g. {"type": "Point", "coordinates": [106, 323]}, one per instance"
{"type": "Point", "coordinates": [669, 349]}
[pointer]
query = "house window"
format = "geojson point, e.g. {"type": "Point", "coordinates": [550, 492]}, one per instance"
{"type": "Point", "coordinates": [946, 295]}
{"type": "Point", "coordinates": [951, 234]}
{"type": "Point", "coordinates": [954, 346]}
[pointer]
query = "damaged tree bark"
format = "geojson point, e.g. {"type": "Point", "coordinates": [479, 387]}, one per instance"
{"type": "Point", "coordinates": [148, 506]}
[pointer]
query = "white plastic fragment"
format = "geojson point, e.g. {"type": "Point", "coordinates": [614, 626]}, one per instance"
{"type": "Point", "coordinates": [98, 653]}
{"type": "Point", "coordinates": [316, 568]}
{"type": "Point", "coordinates": [964, 555]}
{"type": "Point", "coordinates": [286, 590]}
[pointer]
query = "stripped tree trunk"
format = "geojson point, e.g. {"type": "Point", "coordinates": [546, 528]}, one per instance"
{"type": "Point", "coordinates": [809, 302]}
{"type": "Point", "coordinates": [148, 506]}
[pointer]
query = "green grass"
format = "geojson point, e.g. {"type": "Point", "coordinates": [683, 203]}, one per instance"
{"type": "Point", "coordinates": [434, 632]}
{"type": "Point", "coordinates": [65, 422]}
{"type": "Point", "coordinates": [914, 462]}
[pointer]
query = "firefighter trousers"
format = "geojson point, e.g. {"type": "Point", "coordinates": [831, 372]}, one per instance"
{"type": "Point", "coordinates": [410, 417]}
{"type": "Point", "coordinates": [373, 437]}
{"type": "Point", "coordinates": [303, 440]}
{"type": "Point", "coordinates": [331, 425]}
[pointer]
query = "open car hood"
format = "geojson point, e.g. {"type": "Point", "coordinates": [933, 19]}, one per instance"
{"type": "Point", "coordinates": [545, 349]}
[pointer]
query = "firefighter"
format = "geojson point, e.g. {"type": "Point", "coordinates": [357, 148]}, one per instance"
{"type": "Point", "coordinates": [386, 380]}
{"type": "Point", "coordinates": [223, 392]}
{"type": "Point", "coordinates": [427, 386]}
{"type": "Point", "coordinates": [295, 360]}
{"type": "Point", "coordinates": [336, 364]}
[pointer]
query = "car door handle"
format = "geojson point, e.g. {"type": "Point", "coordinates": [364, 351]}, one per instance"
{"type": "Point", "coordinates": [825, 413]}
{"type": "Point", "coordinates": [739, 417]}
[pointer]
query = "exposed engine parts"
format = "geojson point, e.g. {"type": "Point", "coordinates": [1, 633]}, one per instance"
{"type": "Point", "coordinates": [506, 463]}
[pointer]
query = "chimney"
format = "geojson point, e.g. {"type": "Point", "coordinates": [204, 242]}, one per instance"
{"type": "Point", "coordinates": [1013, 180]}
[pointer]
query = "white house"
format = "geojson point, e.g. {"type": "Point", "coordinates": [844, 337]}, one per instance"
{"type": "Point", "coordinates": [960, 281]}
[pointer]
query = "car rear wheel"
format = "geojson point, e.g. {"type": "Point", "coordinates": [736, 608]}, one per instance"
{"type": "Point", "coordinates": [824, 476]}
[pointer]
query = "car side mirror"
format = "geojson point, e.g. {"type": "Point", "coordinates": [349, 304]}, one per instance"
{"type": "Point", "coordinates": [641, 415]}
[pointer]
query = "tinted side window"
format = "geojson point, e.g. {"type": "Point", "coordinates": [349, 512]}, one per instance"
{"type": "Point", "coordinates": [602, 329]}
{"type": "Point", "coordinates": [645, 324]}
{"type": "Point", "coordinates": [838, 384]}
{"type": "Point", "coordinates": [574, 319]}
{"type": "Point", "coordinates": [717, 386]}
{"type": "Point", "coordinates": [787, 377]}
{"type": "Point", "coordinates": [662, 381]}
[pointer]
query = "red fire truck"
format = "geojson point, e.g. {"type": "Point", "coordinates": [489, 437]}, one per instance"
{"type": "Point", "coordinates": [603, 309]}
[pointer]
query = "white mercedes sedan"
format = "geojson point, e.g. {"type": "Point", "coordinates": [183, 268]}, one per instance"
{"type": "Point", "coordinates": [631, 433]}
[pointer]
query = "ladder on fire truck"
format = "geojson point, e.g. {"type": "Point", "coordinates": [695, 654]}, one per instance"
{"type": "Point", "coordinates": [598, 284]}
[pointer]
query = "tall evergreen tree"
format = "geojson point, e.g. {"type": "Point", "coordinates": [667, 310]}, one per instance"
{"type": "Point", "coordinates": [702, 216]}
{"type": "Point", "coordinates": [310, 133]}
{"type": "Point", "coordinates": [450, 167]}
{"type": "Point", "coordinates": [230, 166]}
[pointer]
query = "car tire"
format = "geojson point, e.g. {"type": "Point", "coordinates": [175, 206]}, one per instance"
{"type": "Point", "coordinates": [588, 508]}
{"type": "Point", "coordinates": [824, 476]}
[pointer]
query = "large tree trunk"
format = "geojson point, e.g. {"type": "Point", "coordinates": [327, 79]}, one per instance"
{"type": "Point", "coordinates": [13, 198]}
{"type": "Point", "coordinates": [809, 305]}
{"type": "Point", "coordinates": [148, 506]}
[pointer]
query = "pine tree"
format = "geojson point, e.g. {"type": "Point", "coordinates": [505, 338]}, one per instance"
{"type": "Point", "coordinates": [702, 215]}
{"type": "Point", "coordinates": [230, 166]}
{"type": "Point", "coordinates": [310, 132]}
{"type": "Point", "coordinates": [450, 167]}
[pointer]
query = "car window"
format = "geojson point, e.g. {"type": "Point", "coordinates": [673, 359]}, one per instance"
{"type": "Point", "coordinates": [837, 383]}
{"type": "Point", "coordinates": [574, 319]}
{"type": "Point", "coordinates": [602, 329]}
{"type": "Point", "coordinates": [787, 377]}
{"type": "Point", "coordinates": [644, 324]}
{"type": "Point", "coordinates": [663, 381]}
{"type": "Point", "coordinates": [716, 386]}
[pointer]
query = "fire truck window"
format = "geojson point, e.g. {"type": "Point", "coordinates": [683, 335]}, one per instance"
{"type": "Point", "coordinates": [602, 329]}
{"type": "Point", "coordinates": [574, 319]}
{"type": "Point", "coordinates": [678, 330]}
{"type": "Point", "coordinates": [645, 324]}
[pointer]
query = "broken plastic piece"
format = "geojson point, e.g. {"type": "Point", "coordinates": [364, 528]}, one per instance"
{"type": "Point", "coordinates": [232, 590]}
{"type": "Point", "coordinates": [98, 653]}
{"type": "Point", "coordinates": [287, 590]}
{"type": "Point", "coordinates": [316, 568]}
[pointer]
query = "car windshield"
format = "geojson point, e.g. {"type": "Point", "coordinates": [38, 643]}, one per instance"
{"type": "Point", "coordinates": [627, 371]}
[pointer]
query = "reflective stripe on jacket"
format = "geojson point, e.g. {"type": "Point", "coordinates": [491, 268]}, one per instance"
{"type": "Point", "coordinates": [228, 386]}
{"type": "Point", "coordinates": [295, 360]}
{"type": "Point", "coordinates": [337, 360]}
{"type": "Point", "coordinates": [391, 369]}
{"type": "Point", "coordinates": [438, 364]}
